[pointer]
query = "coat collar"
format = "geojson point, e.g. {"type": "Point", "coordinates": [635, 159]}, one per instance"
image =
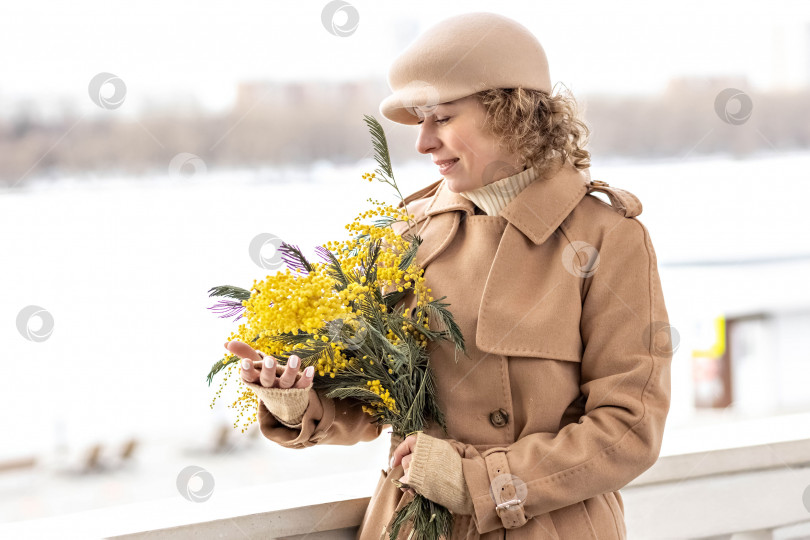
{"type": "Point", "coordinates": [537, 210]}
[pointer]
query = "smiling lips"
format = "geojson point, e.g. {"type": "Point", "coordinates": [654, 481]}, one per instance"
{"type": "Point", "coordinates": [445, 164]}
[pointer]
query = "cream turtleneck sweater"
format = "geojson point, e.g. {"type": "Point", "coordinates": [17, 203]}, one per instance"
{"type": "Point", "coordinates": [493, 197]}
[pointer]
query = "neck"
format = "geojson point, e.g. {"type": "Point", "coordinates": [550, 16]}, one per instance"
{"type": "Point", "coordinates": [493, 197]}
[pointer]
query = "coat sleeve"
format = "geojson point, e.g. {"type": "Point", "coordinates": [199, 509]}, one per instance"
{"type": "Point", "coordinates": [625, 377]}
{"type": "Point", "coordinates": [325, 421]}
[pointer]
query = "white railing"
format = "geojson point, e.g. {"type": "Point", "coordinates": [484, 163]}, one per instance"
{"type": "Point", "coordinates": [752, 492]}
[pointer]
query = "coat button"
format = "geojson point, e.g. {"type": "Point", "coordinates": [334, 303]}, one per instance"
{"type": "Point", "coordinates": [499, 418]}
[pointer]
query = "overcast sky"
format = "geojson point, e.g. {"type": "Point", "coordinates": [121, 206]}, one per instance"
{"type": "Point", "coordinates": [163, 48]}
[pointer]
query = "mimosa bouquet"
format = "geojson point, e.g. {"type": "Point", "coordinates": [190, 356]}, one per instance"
{"type": "Point", "coordinates": [343, 316]}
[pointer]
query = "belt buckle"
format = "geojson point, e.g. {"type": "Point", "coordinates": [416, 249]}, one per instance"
{"type": "Point", "coordinates": [507, 504]}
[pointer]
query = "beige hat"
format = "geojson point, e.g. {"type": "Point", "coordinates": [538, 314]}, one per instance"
{"type": "Point", "coordinates": [460, 56]}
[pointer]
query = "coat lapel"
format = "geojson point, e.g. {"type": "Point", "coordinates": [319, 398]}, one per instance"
{"type": "Point", "coordinates": [519, 300]}
{"type": "Point", "coordinates": [512, 307]}
{"type": "Point", "coordinates": [539, 209]}
{"type": "Point", "coordinates": [442, 217]}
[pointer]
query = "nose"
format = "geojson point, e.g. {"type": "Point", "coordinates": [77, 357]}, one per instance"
{"type": "Point", "coordinates": [426, 140]}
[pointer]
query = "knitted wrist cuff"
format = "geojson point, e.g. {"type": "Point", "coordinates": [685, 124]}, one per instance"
{"type": "Point", "coordinates": [446, 484]}
{"type": "Point", "coordinates": [286, 404]}
{"type": "Point", "coordinates": [417, 470]}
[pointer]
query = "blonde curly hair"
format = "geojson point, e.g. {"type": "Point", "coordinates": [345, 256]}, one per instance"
{"type": "Point", "coordinates": [541, 128]}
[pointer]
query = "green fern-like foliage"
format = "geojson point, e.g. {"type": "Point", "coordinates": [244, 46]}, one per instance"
{"type": "Point", "coordinates": [430, 521]}
{"type": "Point", "coordinates": [381, 154]}
{"type": "Point", "coordinates": [229, 291]}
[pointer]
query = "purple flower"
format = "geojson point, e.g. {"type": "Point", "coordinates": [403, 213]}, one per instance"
{"type": "Point", "coordinates": [228, 308]}
{"type": "Point", "coordinates": [293, 262]}
{"type": "Point", "coordinates": [324, 253]}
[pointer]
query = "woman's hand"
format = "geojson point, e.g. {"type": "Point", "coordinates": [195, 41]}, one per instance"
{"type": "Point", "coordinates": [402, 454]}
{"type": "Point", "coordinates": [266, 374]}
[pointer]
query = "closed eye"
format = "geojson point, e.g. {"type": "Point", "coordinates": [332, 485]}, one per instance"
{"type": "Point", "coordinates": [438, 120]}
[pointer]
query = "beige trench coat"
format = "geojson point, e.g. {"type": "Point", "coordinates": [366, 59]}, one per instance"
{"type": "Point", "coordinates": [565, 393]}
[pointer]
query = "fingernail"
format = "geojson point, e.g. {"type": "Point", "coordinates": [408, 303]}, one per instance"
{"type": "Point", "coordinates": [246, 364]}
{"type": "Point", "coordinates": [268, 362]}
{"type": "Point", "coordinates": [392, 462]}
{"type": "Point", "coordinates": [293, 362]}
{"type": "Point", "coordinates": [226, 344]}
{"type": "Point", "coordinates": [309, 371]}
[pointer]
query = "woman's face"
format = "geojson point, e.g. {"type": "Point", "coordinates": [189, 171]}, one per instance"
{"type": "Point", "coordinates": [454, 131]}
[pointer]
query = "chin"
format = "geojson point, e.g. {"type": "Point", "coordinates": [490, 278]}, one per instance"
{"type": "Point", "coordinates": [450, 185]}
{"type": "Point", "coordinates": [455, 186]}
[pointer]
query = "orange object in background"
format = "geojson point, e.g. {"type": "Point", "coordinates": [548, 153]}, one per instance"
{"type": "Point", "coordinates": [711, 370]}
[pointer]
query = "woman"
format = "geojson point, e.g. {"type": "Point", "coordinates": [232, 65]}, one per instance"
{"type": "Point", "coordinates": [563, 396]}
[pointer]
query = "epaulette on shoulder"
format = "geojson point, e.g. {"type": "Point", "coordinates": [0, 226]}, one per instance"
{"type": "Point", "coordinates": [621, 200]}
{"type": "Point", "coordinates": [426, 191]}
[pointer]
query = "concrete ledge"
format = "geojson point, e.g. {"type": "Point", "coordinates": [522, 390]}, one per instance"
{"type": "Point", "coordinates": [682, 467]}
{"type": "Point", "coordinates": [710, 494]}
{"type": "Point", "coordinates": [709, 506]}
{"type": "Point", "coordinates": [335, 520]}
{"type": "Point", "coordinates": [268, 512]}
